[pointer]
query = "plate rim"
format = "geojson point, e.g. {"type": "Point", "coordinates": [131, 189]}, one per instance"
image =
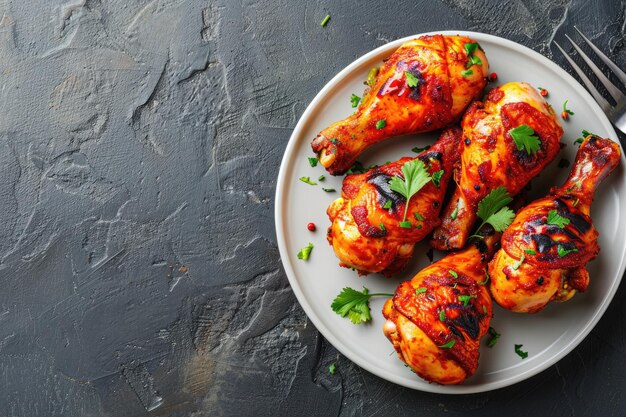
{"type": "Point", "coordinates": [280, 216]}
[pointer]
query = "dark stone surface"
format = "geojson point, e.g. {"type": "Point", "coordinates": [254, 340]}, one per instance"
{"type": "Point", "coordinates": [140, 143]}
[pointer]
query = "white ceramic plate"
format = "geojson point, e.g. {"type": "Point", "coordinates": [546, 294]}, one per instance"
{"type": "Point", "coordinates": [547, 336]}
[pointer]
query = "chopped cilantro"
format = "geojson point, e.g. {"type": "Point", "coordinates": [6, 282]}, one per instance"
{"type": "Point", "coordinates": [381, 124]}
{"type": "Point", "coordinates": [305, 252]}
{"type": "Point", "coordinates": [525, 139]}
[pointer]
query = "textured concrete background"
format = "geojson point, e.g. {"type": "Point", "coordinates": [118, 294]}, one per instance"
{"type": "Point", "coordinates": [139, 146]}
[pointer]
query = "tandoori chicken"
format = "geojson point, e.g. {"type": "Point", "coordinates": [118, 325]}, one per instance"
{"type": "Point", "coordinates": [507, 140]}
{"type": "Point", "coordinates": [436, 320]}
{"type": "Point", "coordinates": [424, 85]}
{"type": "Point", "coordinates": [546, 248]}
{"type": "Point", "coordinates": [373, 228]}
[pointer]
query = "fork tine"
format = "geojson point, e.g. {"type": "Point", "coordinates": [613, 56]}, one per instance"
{"type": "Point", "coordinates": [616, 70]}
{"type": "Point", "coordinates": [596, 95]}
{"type": "Point", "coordinates": [613, 91]}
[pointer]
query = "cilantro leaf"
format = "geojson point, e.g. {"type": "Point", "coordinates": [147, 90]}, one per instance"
{"type": "Point", "coordinates": [492, 209]}
{"type": "Point", "coordinates": [555, 219]}
{"type": "Point", "coordinates": [442, 315]}
{"type": "Point", "coordinates": [313, 161]}
{"type": "Point", "coordinates": [467, 73]}
{"type": "Point", "coordinates": [421, 290]}
{"type": "Point", "coordinates": [470, 48]}
{"type": "Point", "coordinates": [437, 177]}
{"type": "Point", "coordinates": [454, 213]}
{"type": "Point", "coordinates": [307, 180]}
{"type": "Point", "coordinates": [466, 298]}
{"type": "Point", "coordinates": [332, 368]}
{"type": "Point", "coordinates": [305, 252]}
{"type": "Point", "coordinates": [520, 352]}
{"type": "Point", "coordinates": [494, 337]}
{"type": "Point", "coordinates": [530, 251]}
{"type": "Point", "coordinates": [566, 110]}
{"type": "Point", "coordinates": [562, 251]}
{"type": "Point", "coordinates": [415, 177]}
{"type": "Point", "coordinates": [448, 345]}
{"type": "Point", "coordinates": [354, 304]}
{"type": "Point", "coordinates": [453, 273]}
{"type": "Point", "coordinates": [381, 124]}
{"type": "Point", "coordinates": [411, 80]}
{"type": "Point", "coordinates": [387, 205]}
{"type": "Point", "coordinates": [525, 139]}
{"type": "Point", "coordinates": [417, 149]}
{"type": "Point", "coordinates": [355, 100]}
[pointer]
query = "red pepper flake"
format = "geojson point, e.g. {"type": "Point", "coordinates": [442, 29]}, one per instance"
{"type": "Point", "coordinates": [493, 76]}
{"type": "Point", "coordinates": [311, 226]}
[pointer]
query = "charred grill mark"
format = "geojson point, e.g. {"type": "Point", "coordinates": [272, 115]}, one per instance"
{"type": "Point", "coordinates": [543, 242]}
{"type": "Point", "coordinates": [380, 181]}
{"type": "Point", "coordinates": [456, 332]}
{"type": "Point", "coordinates": [579, 222]}
{"type": "Point", "coordinates": [468, 321]}
{"type": "Point", "coordinates": [428, 156]}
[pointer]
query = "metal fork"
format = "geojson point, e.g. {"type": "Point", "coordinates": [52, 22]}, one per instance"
{"type": "Point", "coordinates": [616, 113]}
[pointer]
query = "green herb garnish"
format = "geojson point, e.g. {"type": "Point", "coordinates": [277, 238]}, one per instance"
{"type": "Point", "coordinates": [418, 217]}
{"type": "Point", "coordinates": [520, 352]}
{"type": "Point", "coordinates": [415, 177]}
{"type": "Point", "coordinates": [437, 177]}
{"type": "Point", "coordinates": [454, 213]}
{"type": "Point", "coordinates": [530, 251]}
{"type": "Point", "coordinates": [494, 337]}
{"type": "Point", "coordinates": [321, 178]}
{"type": "Point", "coordinates": [354, 304]}
{"type": "Point", "coordinates": [417, 149]}
{"type": "Point", "coordinates": [411, 80]}
{"type": "Point", "coordinates": [566, 110]}
{"type": "Point", "coordinates": [563, 252]}
{"type": "Point", "coordinates": [467, 73]}
{"type": "Point", "coordinates": [453, 273]}
{"type": "Point", "coordinates": [325, 21]}
{"type": "Point", "coordinates": [519, 263]}
{"type": "Point", "coordinates": [555, 219]}
{"type": "Point", "coordinates": [332, 368]}
{"type": "Point", "coordinates": [442, 315]}
{"type": "Point", "coordinates": [448, 345]}
{"type": "Point", "coordinates": [420, 290]}
{"type": "Point", "coordinates": [493, 210]}
{"type": "Point", "coordinates": [381, 124]}
{"type": "Point", "coordinates": [313, 161]}
{"type": "Point", "coordinates": [465, 299]}
{"type": "Point", "coordinates": [525, 139]}
{"type": "Point", "coordinates": [405, 224]}
{"type": "Point", "coordinates": [307, 180]}
{"type": "Point", "coordinates": [329, 190]}
{"type": "Point", "coordinates": [305, 252]}
{"type": "Point", "coordinates": [387, 205]}
{"type": "Point", "coordinates": [355, 100]}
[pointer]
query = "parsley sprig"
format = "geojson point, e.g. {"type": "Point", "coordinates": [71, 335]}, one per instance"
{"type": "Point", "coordinates": [493, 209]}
{"type": "Point", "coordinates": [525, 139]}
{"type": "Point", "coordinates": [355, 304]}
{"type": "Point", "coordinates": [555, 219]}
{"type": "Point", "coordinates": [415, 177]}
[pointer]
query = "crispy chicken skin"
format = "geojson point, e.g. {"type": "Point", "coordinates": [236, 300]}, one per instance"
{"type": "Point", "coordinates": [490, 158]}
{"type": "Point", "coordinates": [442, 93]}
{"type": "Point", "coordinates": [540, 261]}
{"type": "Point", "coordinates": [446, 303]}
{"type": "Point", "coordinates": [365, 235]}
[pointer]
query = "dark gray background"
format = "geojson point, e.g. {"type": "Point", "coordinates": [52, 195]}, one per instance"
{"type": "Point", "coordinates": [140, 144]}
